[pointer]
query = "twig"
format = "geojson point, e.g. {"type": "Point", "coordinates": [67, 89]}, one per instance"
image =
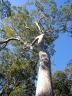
{"type": "Point", "coordinates": [26, 26]}
{"type": "Point", "coordinates": [40, 18]}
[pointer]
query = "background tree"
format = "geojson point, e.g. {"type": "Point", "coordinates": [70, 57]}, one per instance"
{"type": "Point", "coordinates": [68, 71]}
{"type": "Point", "coordinates": [61, 84]}
{"type": "Point", "coordinates": [62, 81]}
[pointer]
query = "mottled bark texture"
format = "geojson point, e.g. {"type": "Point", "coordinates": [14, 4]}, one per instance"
{"type": "Point", "coordinates": [44, 83]}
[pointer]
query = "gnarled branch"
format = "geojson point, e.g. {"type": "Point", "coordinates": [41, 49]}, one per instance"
{"type": "Point", "coordinates": [5, 42]}
{"type": "Point", "coordinates": [28, 45]}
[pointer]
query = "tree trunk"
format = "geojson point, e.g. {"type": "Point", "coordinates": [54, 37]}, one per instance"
{"type": "Point", "coordinates": [44, 84]}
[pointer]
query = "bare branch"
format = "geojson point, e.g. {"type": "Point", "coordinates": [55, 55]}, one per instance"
{"type": "Point", "coordinates": [10, 39]}
{"type": "Point", "coordinates": [4, 43]}
{"type": "Point", "coordinates": [26, 26]}
{"type": "Point", "coordinates": [39, 38]}
{"type": "Point", "coordinates": [28, 45]}
{"type": "Point", "coordinates": [40, 18]}
{"type": "Point", "coordinates": [38, 24]}
{"type": "Point", "coordinates": [35, 40]}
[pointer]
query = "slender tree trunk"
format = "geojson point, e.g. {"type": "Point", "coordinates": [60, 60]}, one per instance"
{"type": "Point", "coordinates": [44, 84]}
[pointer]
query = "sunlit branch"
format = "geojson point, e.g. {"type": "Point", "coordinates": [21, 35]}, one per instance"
{"type": "Point", "coordinates": [38, 24]}
{"type": "Point", "coordinates": [35, 40]}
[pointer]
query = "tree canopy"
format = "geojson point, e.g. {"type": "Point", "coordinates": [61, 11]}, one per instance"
{"type": "Point", "coordinates": [18, 64]}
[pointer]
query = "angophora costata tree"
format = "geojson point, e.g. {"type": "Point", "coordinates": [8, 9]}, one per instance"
{"type": "Point", "coordinates": [21, 23]}
{"type": "Point", "coordinates": [44, 84]}
{"type": "Point", "coordinates": [53, 23]}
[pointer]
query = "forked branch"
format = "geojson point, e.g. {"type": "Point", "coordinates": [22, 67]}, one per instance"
{"type": "Point", "coordinates": [39, 38]}
{"type": "Point", "coordinates": [28, 45]}
{"type": "Point", "coordinates": [38, 24]}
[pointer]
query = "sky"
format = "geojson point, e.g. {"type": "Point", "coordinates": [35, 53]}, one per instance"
{"type": "Point", "coordinates": [63, 44]}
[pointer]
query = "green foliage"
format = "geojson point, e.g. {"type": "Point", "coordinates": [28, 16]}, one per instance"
{"type": "Point", "coordinates": [5, 8]}
{"type": "Point", "coordinates": [21, 16]}
{"type": "Point", "coordinates": [61, 84]}
{"type": "Point", "coordinates": [66, 12]}
{"type": "Point", "coordinates": [19, 74]}
{"type": "Point", "coordinates": [68, 72]}
{"type": "Point", "coordinates": [39, 6]}
{"type": "Point", "coordinates": [68, 69]}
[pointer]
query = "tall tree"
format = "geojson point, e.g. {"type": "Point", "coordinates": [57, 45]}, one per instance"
{"type": "Point", "coordinates": [27, 26]}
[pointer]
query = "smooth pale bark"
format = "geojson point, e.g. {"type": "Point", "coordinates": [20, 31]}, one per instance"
{"type": "Point", "coordinates": [44, 83]}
